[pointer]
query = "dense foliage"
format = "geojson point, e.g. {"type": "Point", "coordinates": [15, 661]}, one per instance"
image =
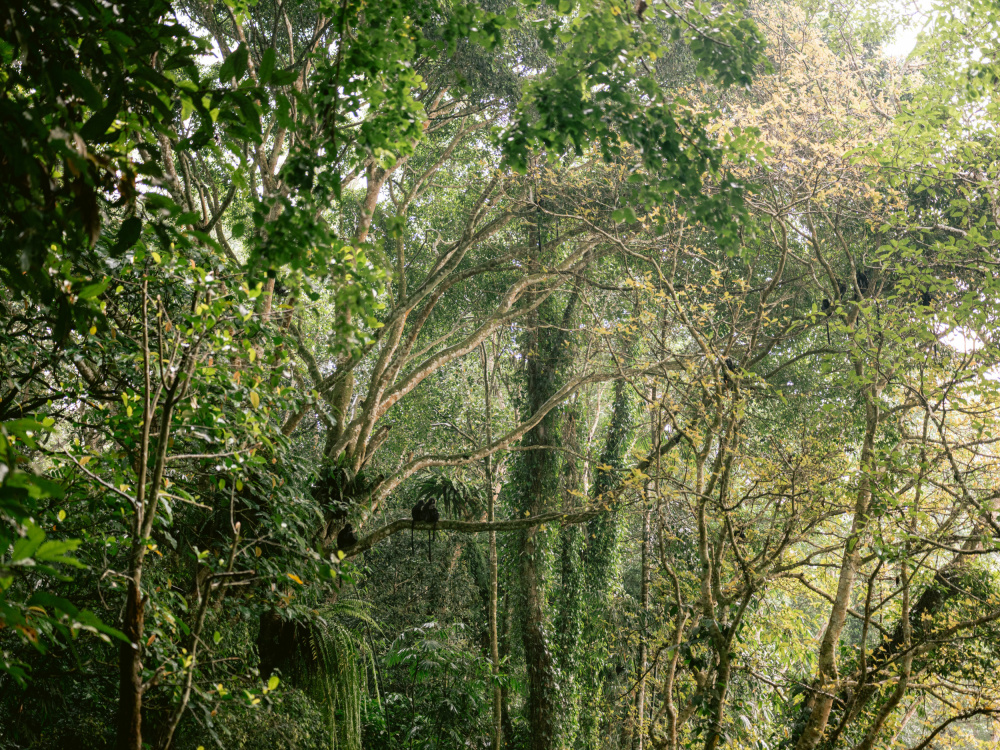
{"type": "Point", "coordinates": [512, 374]}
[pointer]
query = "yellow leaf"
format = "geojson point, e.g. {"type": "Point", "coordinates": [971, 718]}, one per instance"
{"type": "Point", "coordinates": [257, 552]}
{"type": "Point", "coordinates": [254, 399]}
{"type": "Point", "coordinates": [296, 579]}
{"type": "Point", "coordinates": [85, 460]}
{"type": "Point", "coordinates": [252, 354]}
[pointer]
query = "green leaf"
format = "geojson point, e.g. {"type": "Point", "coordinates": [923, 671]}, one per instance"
{"type": "Point", "coordinates": [25, 547]}
{"type": "Point", "coordinates": [128, 235]}
{"type": "Point", "coordinates": [96, 128]}
{"type": "Point", "coordinates": [625, 214]}
{"type": "Point", "coordinates": [46, 599]}
{"type": "Point", "coordinates": [284, 77]}
{"type": "Point", "coordinates": [37, 487]}
{"type": "Point", "coordinates": [235, 65]}
{"type": "Point", "coordinates": [55, 549]}
{"type": "Point", "coordinates": [266, 65]}
{"type": "Point", "coordinates": [93, 622]}
{"type": "Point", "coordinates": [83, 88]}
{"type": "Point", "coordinates": [92, 290]}
{"type": "Point", "coordinates": [24, 429]}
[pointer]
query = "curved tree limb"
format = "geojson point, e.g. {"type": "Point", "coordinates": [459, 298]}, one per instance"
{"type": "Point", "coordinates": [469, 527]}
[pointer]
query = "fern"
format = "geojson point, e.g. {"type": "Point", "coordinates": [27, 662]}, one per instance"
{"type": "Point", "coordinates": [336, 648]}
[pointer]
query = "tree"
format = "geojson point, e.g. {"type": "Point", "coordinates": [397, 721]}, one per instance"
{"type": "Point", "coordinates": [689, 338]}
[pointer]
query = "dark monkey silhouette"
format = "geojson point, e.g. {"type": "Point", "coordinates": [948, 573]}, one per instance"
{"type": "Point", "coordinates": [418, 513]}
{"type": "Point", "coordinates": [425, 511]}
{"type": "Point", "coordinates": [729, 366]}
{"type": "Point", "coordinates": [863, 282]}
{"type": "Point", "coordinates": [346, 538]}
{"type": "Point", "coordinates": [431, 515]}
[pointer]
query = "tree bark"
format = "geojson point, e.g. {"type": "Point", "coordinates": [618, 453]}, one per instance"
{"type": "Point", "coordinates": [537, 653]}
{"type": "Point", "coordinates": [129, 736]}
{"type": "Point", "coordinates": [821, 701]}
{"type": "Point", "coordinates": [146, 503]}
{"type": "Point", "coordinates": [943, 589]}
{"type": "Point", "coordinates": [491, 517]}
{"type": "Point", "coordinates": [537, 482]}
{"type": "Point", "coordinates": [506, 723]}
{"type": "Point", "coordinates": [640, 699]}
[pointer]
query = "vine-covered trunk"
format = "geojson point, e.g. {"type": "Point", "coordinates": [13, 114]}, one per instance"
{"type": "Point", "coordinates": [548, 352]}
{"type": "Point", "coordinates": [569, 623]}
{"type": "Point", "coordinates": [493, 583]}
{"type": "Point", "coordinates": [602, 538]}
{"type": "Point", "coordinates": [539, 481]}
{"type": "Point", "coordinates": [569, 601]}
{"type": "Point", "coordinates": [643, 656]}
{"type": "Point", "coordinates": [537, 653]}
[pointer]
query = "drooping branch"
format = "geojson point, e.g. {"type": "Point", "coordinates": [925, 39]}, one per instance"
{"type": "Point", "coordinates": [962, 716]}
{"type": "Point", "coordinates": [469, 527]}
{"type": "Point", "coordinates": [566, 518]}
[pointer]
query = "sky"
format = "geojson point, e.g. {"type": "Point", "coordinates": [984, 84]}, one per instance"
{"type": "Point", "coordinates": [920, 13]}
{"type": "Point", "coordinates": [903, 44]}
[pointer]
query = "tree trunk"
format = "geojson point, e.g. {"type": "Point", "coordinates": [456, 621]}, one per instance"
{"type": "Point", "coordinates": [602, 544]}
{"type": "Point", "coordinates": [640, 699]}
{"type": "Point", "coordinates": [536, 481]}
{"type": "Point", "coordinates": [173, 389]}
{"type": "Point", "coordinates": [944, 587]}
{"type": "Point", "coordinates": [537, 652]}
{"type": "Point", "coordinates": [506, 723]}
{"type": "Point", "coordinates": [129, 736]}
{"type": "Point", "coordinates": [491, 517]}
{"type": "Point", "coordinates": [820, 703]}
